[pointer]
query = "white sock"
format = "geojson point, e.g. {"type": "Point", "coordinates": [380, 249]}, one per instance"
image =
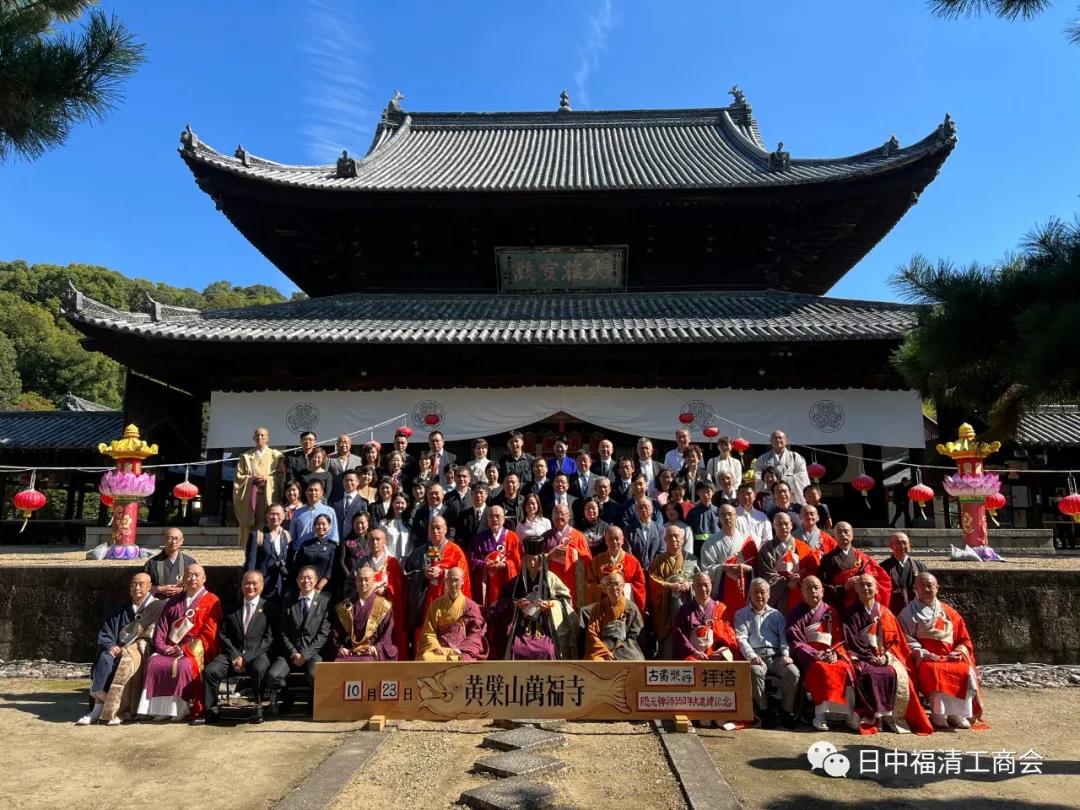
{"type": "Point", "coordinates": [95, 712]}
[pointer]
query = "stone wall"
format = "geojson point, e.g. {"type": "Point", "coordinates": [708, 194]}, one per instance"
{"type": "Point", "coordinates": [55, 612]}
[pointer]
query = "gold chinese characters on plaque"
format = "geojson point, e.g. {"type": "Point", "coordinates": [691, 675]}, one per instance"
{"type": "Point", "coordinates": [559, 269]}
{"type": "Point", "coordinates": [506, 690]}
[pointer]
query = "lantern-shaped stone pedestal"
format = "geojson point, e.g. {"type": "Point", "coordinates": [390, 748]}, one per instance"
{"type": "Point", "coordinates": [127, 485]}
{"type": "Point", "coordinates": [971, 486]}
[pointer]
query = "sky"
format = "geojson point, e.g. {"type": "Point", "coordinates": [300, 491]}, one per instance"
{"type": "Point", "coordinates": [296, 82]}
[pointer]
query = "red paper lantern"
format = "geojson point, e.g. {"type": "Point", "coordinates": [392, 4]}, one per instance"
{"type": "Point", "coordinates": [431, 419]}
{"type": "Point", "coordinates": [711, 431]}
{"type": "Point", "coordinates": [922, 495]}
{"type": "Point", "coordinates": [864, 483]}
{"type": "Point", "coordinates": [27, 502]}
{"type": "Point", "coordinates": [740, 445]}
{"type": "Point", "coordinates": [686, 418]}
{"type": "Point", "coordinates": [107, 500]}
{"type": "Point", "coordinates": [992, 504]}
{"type": "Point", "coordinates": [1070, 506]}
{"type": "Point", "coordinates": [816, 471]}
{"type": "Point", "coordinates": [184, 492]}
{"type": "Point", "coordinates": [405, 431]}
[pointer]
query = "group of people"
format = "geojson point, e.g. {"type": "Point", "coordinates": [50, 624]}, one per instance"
{"type": "Point", "coordinates": [562, 560]}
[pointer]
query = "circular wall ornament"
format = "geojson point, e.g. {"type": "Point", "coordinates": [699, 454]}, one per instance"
{"type": "Point", "coordinates": [702, 411]}
{"type": "Point", "coordinates": [428, 415]}
{"type": "Point", "coordinates": [827, 416]}
{"type": "Point", "coordinates": [302, 416]}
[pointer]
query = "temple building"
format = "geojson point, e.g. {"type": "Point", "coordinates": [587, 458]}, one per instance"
{"type": "Point", "coordinates": [593, 272]}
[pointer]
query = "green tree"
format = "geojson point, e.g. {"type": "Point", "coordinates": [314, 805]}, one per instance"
{"type": "Point", "coordinates": [10, 381]}
{"type": "Point", "coordinates": [50, 81]}
{"type": "Point", "coordinates": [996, 340]}
{"type": "Point", "coordinates": [1006, 9]}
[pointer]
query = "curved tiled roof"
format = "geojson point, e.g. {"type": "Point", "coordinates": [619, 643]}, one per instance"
{"type": "Point", "coordinates": [1054, 425]}
{"type": "Point", "coordinates": [554, 319]}
{"type": "Point", "coordinates": [713, 148]}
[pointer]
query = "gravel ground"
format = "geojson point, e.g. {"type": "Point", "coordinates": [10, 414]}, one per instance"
{"type": "Point", "coordinates": [769, 769]}
{"type": "Point", "coordinates": [429, 765]}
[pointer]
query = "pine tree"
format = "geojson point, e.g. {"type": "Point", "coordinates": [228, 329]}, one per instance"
{"type": "Point", "coordinates": [1006, 9]}
{"type": "Point", "coordinates": [51, 80]}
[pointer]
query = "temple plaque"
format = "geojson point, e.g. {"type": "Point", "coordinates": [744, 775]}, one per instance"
{"type": "Point", "coordinates": [560, 269]}
{"type": "Point", "coordinates": [507, 690]}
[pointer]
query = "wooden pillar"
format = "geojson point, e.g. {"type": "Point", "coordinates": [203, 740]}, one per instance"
{"type": "Point", "coordinates": [879, 508]}
{"type": "Point", "coordinates": [212, 490]}
{"type": "Point", "coordinates": [69, 499]}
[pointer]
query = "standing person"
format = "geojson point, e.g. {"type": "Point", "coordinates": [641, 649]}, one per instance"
{"type": "Point", "coordinates": [725, 490]}
{"type": "Point", "coordinates": [812, 494]}
{"type": "Point", "coordinates": [605, 459]}
{"type": "Point", "coordinates": [395, 472]}
{"type": "Point", "coordinates": [478, 465]}
{"type": "Point", "coordinates": [169, 566]}
{"type": "Point", "coordinates": [303, 631]}
{"type": "Point", "coordinates": [442, 460]}
{"type": "Point", "coordinates": [390, 584]}
{"type": "Point", "coordinates": [673, 516]}
{"type": "Point", "coordinates": [349, 556]}
{"type": "Point", "coordinates": [371, 456]}
{"type": "Point", "coordinates": [494, 558]}
{"type": "Point", "coordinates": [340, 464]}
{"type": "Point", "coordinates": [583, 482]}
{"type": "Point", "coordinates": [435, 506]}
{"type": "Point", "coordinates": [644, 463]}
{"type": "Point", "coordinates": [560, 462]}
{"type": "Point", "coordinates": [260, 473]}
{"type": "Point", "coordinates": [693, 470]}
{"type": "Point", "coordinates": [752, 521]}
{"type": "Point", "coordinates": [380, 507]}
{"type": "Point", "coordinates": [668, 588]}
{"type": "Point", "coordinates": [459, 496]}
{"type": "Point", "coordinates": [729, 556]}
{"type": "Point", "coordinates": [790, 467]}
{"type": "Point", "coordinates": [675, 457]}
{"type": "Point", "coordinates": [568, 554]}
{"type": "Point", "coordinates": [317, 553]}
{"type": "Point", "coordinates": [778, 563]}
{"type": "Point", "coordinates": [292, 500]}
{"type": "Point", "coordinates": [592, 526]}
{"type": "Point", "coordinates": [268, 553]}
{"type": "Point", "coordinates": [903, 569]}
{"type": "Point", "coordinates": [351, 503]}
{"type": "Point", "coordinates": [409, 467]}
{"type": "Point", "coordinates": [302, 525]}
{"type": "Point", "coordinates": [185, 637]}
{"type": "Point", "coordinates": [532, 520]}
{"type": "Point", "coordinates": [516, 461]}
{"type": "Point", "coordinates": [900, 502]}
{"type": "Point", "coordinates": [645, 538]}
{"type": "Point", "coordinates": [840, 569]}
{"type": "Point", "coordinates": [724, 462]}
{"type": "Point", "coordinates": [616, 558]}
{"type": "Point", "coordinates": [296, 462]}
{"type": "Point", "coordinates": [317, 471]}
{"type": "Point", "coordinates": [473, 518]}
{"type": "Point", "coordinates": [621, 485]}
{"type": "Point", "coordinates": [511, 501]}
{"type": "Point", "coordinates": [244, 640]}
{"type": "Point", "coordinates": [397, 530]}
{"type": "Point", "coordinates": [703, 519]}
{"type": "Point", "coordinates": [122, 642]}
{"type": "Point", "coordinates": [559, 495]}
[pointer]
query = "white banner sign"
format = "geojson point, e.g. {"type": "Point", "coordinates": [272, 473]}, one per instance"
{"type": "Point", "coordinates": [890, 418]}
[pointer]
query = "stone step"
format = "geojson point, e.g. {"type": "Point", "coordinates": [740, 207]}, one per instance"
{"type": "Point", "coordinates": [518, 793]}
{"type": "Point", "coordinates": [526, 738]}
{"type": "Point", "coordinates": [518, 763]}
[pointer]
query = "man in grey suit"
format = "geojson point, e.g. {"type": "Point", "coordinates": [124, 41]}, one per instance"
{"type": "Point", "coordinates": [340, 464]}
{"type": "Point", "coordinates": [443, 461]}
{"type": "Point", "coordinates": [302, 633]}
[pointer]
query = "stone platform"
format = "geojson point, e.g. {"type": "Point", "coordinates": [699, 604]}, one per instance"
{"type": "Point", "coordinates": [150, 536]}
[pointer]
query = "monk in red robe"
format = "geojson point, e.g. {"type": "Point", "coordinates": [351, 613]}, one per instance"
{"type": "Point", "coordinates": [817, 540]}
{"type": "Point", "coordinates": [616, 559]}
{"type": "Point", "coordinates": [841, 568]}
{"type": "Point", "coordinates": [943, 655]}
{"type": "Point", "coordinates": [702, 631]}
{"type": "Point", "coordinates": [494, 559]}
{"type": "Point", "coordinates": [815, 632]}
{"type": "Point", "coordinates": [779, 562]}
{"type": "Point", "coordinates": [425, 570]}
{"type": "Point", "coordinates": [185, 638]}
{"type": "Point", "coordinates": [390, 584]}
{"type": "Point", "coordinates": [568, 553]}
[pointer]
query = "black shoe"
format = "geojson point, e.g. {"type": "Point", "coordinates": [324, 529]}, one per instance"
{"type": "Point", "coordinates": [767, 719]}
{"type": "Point", "coordinates": [257, 715]}
{"type": "Point", "coordinates": [788, 720]}
{"type": "Point", "coordinates": [212, 716]}
{"type": "Point", "coordinates": [286, 703]}
{"type": "Point", "coordinates": [198, 721]}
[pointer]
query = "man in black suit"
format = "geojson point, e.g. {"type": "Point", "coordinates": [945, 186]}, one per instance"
{"type": "Point", "coordinates": [473, 520]}
{"type": "Point", "coordinates": [583, 481]}
{"type": "Point", "coordinates": [540, 486]}
{"type": "Point", "coordinates": [268, 552]}
{"type": "Point", "coordinates": [559, 493]}
{"type": "Point", "coordinates": [244, 638]}
{"type": "Point", "coordinates": [303, 630]}
{"type": "Point", "coordinates": [459, 497]}
{"type": "Point", "coordinates": [511, 500]}
{"type": "Point", "coordinates": [350, 504]}
{"type": "Point", "coordinates": [606, 463]}
{"type": "Point", "coordinates": [296, 462]}
{"type": "Point", "coordinates": [621, 483]}
{"type": "Point", "coordinates": [435, 507]}
{"type": "Point", "coordinates": [442, 460]}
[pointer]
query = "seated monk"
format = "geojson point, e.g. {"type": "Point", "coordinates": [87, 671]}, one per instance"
{"type": "Point", "coordinates": [841, 567]}
{"type": "Point", "coordinates": [116, 679]}
{"type": "Point", "coordinates": [816, 634]}
{"type": "Point", "coordinates": [669, 588]}
{"type": "Point", "coordinates": [364, 627]}
{"type": "Point", "coordinates": [185, 639]}
{"type": "Point", "coordinates": [542, 619]}
{"type": "Point", "coordinates": [702, 631]}
{"type": "Point", "coordinates": [780, 563]}
{"type": "Point", "coordinates": [616, 559]}
{"type": "Point", "coordinates": [882, 661]}
{"type": "Point", "coordinates": [455, 629]}
{"type": "Point", "coordinates": [613, 624]}
{"type": "Point", "coordinates": [390, 585]}
{"type": "Point", "coordinates": [943, 655]}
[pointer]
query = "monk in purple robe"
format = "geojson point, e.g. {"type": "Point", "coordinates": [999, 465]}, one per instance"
{"type": "Point", "coordinates": [494, 558]}
{"type": "Point", "coordinates": [701, 631]}
{"type": "Point", "coordinates": [455, 629]}
{"type": "Point", "coordinates": [364, 627]}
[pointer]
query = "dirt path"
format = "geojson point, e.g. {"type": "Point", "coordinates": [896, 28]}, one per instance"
{"type": "Point", "coordinates": [428, 765]}
{"type": "Point", "coordinates": [769, 769]}
{"type": "Point", "coordinates": [50, 762]}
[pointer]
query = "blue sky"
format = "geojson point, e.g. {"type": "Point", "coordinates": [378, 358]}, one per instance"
{"type": "Point", "coordinates": [296, 81]}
